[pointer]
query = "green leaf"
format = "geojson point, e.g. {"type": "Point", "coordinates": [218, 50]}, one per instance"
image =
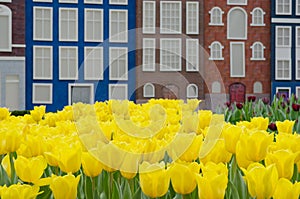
{"type": "Point", "coordinates": [88, 188]}
{"type": "Point", "coordinates": [127, 191]}
{"type": "Point", "coordinates": [240, 185]}
{"type": "Point", "coordinates": [232, 191]}
{"type": "Point", "coordinates": [116, 192]}
{"type": "Point", "coordinates": [46, 192]}
{"type": "Point", "coordinates": [295, 175]}
{"type": "Point", "coordinates": [137, 194]}
{"type": "Point", "coordinates": [4, 178]}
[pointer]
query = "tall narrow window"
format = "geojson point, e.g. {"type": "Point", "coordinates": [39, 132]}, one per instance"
{"type": "Point", "coordinates": [68, 63]}
{"type": "Point", "coordinates": [68, 24]}
{"type": "Point", "coordinates": [216, 49]}
{"type": "Point", "coordinates": [298, 70]}
{"type": "Point", "coordinates": [118, 69]}
{"type": "Point", "coordinates": [216, 15]}
{"type": "Point", "coordinates": [149, 90]}
{"type": "Point", "coordinates": [257, 51]}
{"type": "Point", "coordinates": [118, 91]}
{"type": "Point", "coordinates": [42, 93]}
{"type": "Point", "coordinates": [170, 17]}
{"type": "Point", "coordinates": [283, 36]}
{"type": "Point", "coordinates": [237, 59]}
{"type": "Point", "coordinates": [148, 54]}
{"type": "Point", "coordinates": [42, 62]}
{"type": "Point", "coordinates": [283, 70]}
{"type": "Point", "coordinates": [298, 8]}
{"type": "Point", "coordinates": [257, 17]}
{"type": "Point", "coordinates": [192, 17]}
{"type": "Point", "coordinates": [170, 54]}
{"type": "Point", "coordinates": [93, 63]}
{"type": "Point", "coordinates": [283, 7]}
{"type": "Point", "coordinates": [192, 55]}
{"type": "Point", "coordinates": [93, 26]}
{"type": "Point", "coordinates": [149, 17]}
{"type": "Point", "coordinates": [6, 29]}
{"type": "Point", "coordinates": [192, 91]}
{"type": "Point", "coordinates": [118, 25]}
{"type": "Point", "coordinates": [237, 24]}
{"type": "Point", "coordinates": [42, 25]}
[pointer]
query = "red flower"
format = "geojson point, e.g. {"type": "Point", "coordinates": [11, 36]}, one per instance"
{"type": "Point", "coordinates": [239, 105]}
{"type": "Point", "coordinates": [296, 107]}
{"type": "Point", "coordinates": [251, 98]}
{"type": "Point", "coordinates": [272, 126]}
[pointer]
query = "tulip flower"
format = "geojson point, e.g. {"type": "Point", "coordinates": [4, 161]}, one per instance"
{"type": "Point", "coordinates": [64, 186]}
{"type": "Point", "coordinates": [10, 139]}
{"type": "Point", "coordinates": [154, 179]}
{"type": "Point", "coordinates": [4, 113]}
{"type": "Point", "coordinates": [70, 159]}
{"type": "Point", "coordinates": [260, 123]}
{"type": "Point", "coordinates": [204, 119]}
{"type": "Point", "coordinates": [6, 165]}
{"type": "Point", "coordinates": [231, 137]}
{"type": "Point", "coordinates": [91, 166]}
{"type": "Point", "coordinates": [285, 127]}
{"type": "Point", "coordinates": [193, 150]}
{"type": "Point", "coordinates": [18, 191]}
{"type": "Point", "coordinates": [239, 105]}
{"type": "Point", "coordinates": [38, 113]}
{"type": "Point", "coordinates": [272, 126]}
{"type": "Point", "coordinates": [30, 169]}
{"type": "Point", "coordinates": [261, 180]}
{"type": "Point", "coordinates": [183, 176]}
{"type": "Point", "coordinates": [285, 189]}
{"type": "Point", "coordinates": [217, 154]}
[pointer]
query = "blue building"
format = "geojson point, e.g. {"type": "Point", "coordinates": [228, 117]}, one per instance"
{"type": "Point", "coordinates": [79, 50]}
{"type": "Point", "coordinates": [285, 49]}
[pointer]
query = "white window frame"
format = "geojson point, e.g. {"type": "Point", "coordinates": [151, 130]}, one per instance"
{"type": "Point", "coordinates": [92, 96]}
{"type": "Point", "coordinates": [211, 49]}
{"type": "Point", "coordinates": [163, 67]}
{"type": "Point", "coordinates": [149, 30]}
{"type": "Point", "coordinates": [86, 29]}
{"type": "Point", "coordinates": [246, 24]}
{"type": "Point", "coordinates": [51, 63]}
{"type": "Point", "coordinates": [7, 12]}
{"type": "Point", "coordinates": [110, 88]}
{"type": "Point", "coordinates": [154, 52]}
{"type": "Point", "coordinates": [276, 69]}
{"type": "Point", "coordinates": [241, 3]}
{"type": "Point", "coordinates": [51, 23]}
{"type": "Point", "coordinates": [290, 36]}
{"type": "Point", "coordinates": [211, 12]}
{"type": "Point", "coordinates": [288, 88]}
{"type": "Point", "coordinates": [76, 25]}
{"type": "Point", "coordinates": [124, 77]}
{"type": "Point", "coordinates": [188, 42]}
{"type": "Point", "coordinates": [297, 10]}
{"type": "Point", "coordinates": [67, 1]}
{"type": "Point", "coordinates": [34, 101]}
{"type": "Point", "coordinates": [244, 63]}
{"type": "Point", "coordinates": [283, 13]}
{"type": "Point", "coordinates": [297, 93]}
{"type": "Point", "coordinates": [60, 65]}
{"type": "Point", "coordinates": [262, 17]}
{"type": "Point", "coordinates": [297, 66]}
{"type": "Point", "coordinates": [111, 2]}
{"type": "Point", "coordinates": [255, 83]}
{"type": "Point", "coordinates": [39, 0]}
{"type": "Point", "coordinates": [297, 32]}
{"type": "Point", "coordinates": [114, 38]}
{"type": "Point", "coordinates": [6, 1]}
{"type": "Point", "coordinates": [188, 16]}
{"type": "Point", "coordinates": [93, 1]}
{"type": "Point", "coordinates": [165, 30]}
{"type": "Point", "coordinates": [253, 51]}
{"type": "Point", "coordinates": [188, 94]}
{"type": "Point", "coordinates": [86, 56]}
{"type": "Point", "coordinates": [153, 90]}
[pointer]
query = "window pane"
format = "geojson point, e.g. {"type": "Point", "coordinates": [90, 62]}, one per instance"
{"type": "Point", "coordinates": [237, 24]}
{"type": "Point", "coordinates": [192, 18]}
{"type": "Point", "coordinates": [170, 54]}
{"type": "Point", "coordinates": [192, 55]}
{"type": "Point", "coordinates": [93, 25]}
{"type": "Point", "coordinates": [149, 17]}
{"type": "Point", "coordinates": [4, 32]}
{"type": "Point", "coordinates": [118, 26]}
{"type": "Point", "coordinates": [68, 24]}
{"type": "Point", "coordinates": [237, 57]}
{"type": "Point", "coordinates": [118, 64]}
{"type": "Point", "coordinates": [170, 17]}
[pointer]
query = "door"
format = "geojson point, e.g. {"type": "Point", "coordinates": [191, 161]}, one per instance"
{"type": "Point", "coordinates": [237, 93]}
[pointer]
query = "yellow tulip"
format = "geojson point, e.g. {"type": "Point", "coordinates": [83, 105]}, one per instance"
{"type": "Point", "coordinates": [38, 113]}
{"type": "Point", "coordinates": [70, 159]}
{"type": "Point", "coordinates": [285, 127]}
{"type": "Point", "coordinates": [183, 176]}
{"type": "Point", "coordinates": [217, 154]}
{"type": "Point", "coordinates": [285, 189]}
{"type": "Point", "coordinates": [10, 139]}
{"type": "Point", "coordinates": [154, 179]}
{"type": "Point", "coordinates": [204, 119]}
{"type": "Point", "coordinates": [64, 186]}
{"type": "Point", "coordinates": [212, 183]}
{"type": "Point", "coordinates": [6, 165]}
{"type": "Point", "coordinates": [18, 191]}
{"type": "Point", "coordinates": [260, 123]}
{"type": "Point", "coordinates": [193, 150]}
{"type": "Point", "coordinates": [284, 162]}
{"type": "Point", "coordinates": [261, 180]}
{"type": "Point", "coordinates": [30, 169]}
{"type": "Point", "coordinates": [4, 113]}
{"type": "Point", "coordinates": [231, 136]}
{"type": "Point", "coordinates": [32, 145]}
{"type": "Point", "coordinates": [91, 166]}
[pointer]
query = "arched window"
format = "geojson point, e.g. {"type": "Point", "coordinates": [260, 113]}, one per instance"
{"type": "Point", "coordinates": [237, 23]}
{"type": "Point", "coordinates": [6, 29]}
{"type": "Point", "coordinates": [257, 87]}
{"type": "Point", "coordinates": [257, 51]}
{"type": "Point", "coordinates": [257, 17]}
{"type": "Point", "coordinates": [216, 87]}
{"type": "Point", "coordinates": [216, 51]}
{"type": "Point", "coordinates": [192, 91]}
{"type": "Point", "coordinates": [149, 90]}
{"type": "Point", "coordinates": [216, 16]}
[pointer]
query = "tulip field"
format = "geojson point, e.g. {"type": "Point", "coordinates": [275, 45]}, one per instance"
{"type": "Point", "coordinates": [165, 149]}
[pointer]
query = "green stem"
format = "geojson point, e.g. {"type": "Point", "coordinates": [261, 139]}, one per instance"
{"type": "Point", "coordinates": [13, 175]}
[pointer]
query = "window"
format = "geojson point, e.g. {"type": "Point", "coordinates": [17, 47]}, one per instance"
{"type": "Point", "coordinates": [257, 17]}
{"type": "Point", "coordinates": [149, 90]}
{"type": "Point", "coordinates": [237, 59]}
{"type": "Point", "coordinates": [283, 70]}
{"type": "Point", "coordinates": [68, 24]}
{"type": "Point", "coordinates": [118, 91]}
{"type": "Point", "coordinates": [118, 26]}
{"type": "Point", "coordinates": [67, 1]}
{"type": "Point", "coordinates": [170, 17]}
{"type": "Point", "coordinates": [93, 1]}
{"type": "Point", "coordinates": [42, 93]}
{"type": "Point", "coordinates": [237, 24]}
{"type": "Point", "coordinates": [257, 87]}
{"type": "Point", "coordinates": [41, 1]}
{"type": "Point", "coordinates": [148, 54]}
{"type": "Point", "coordinates": [6, 31]}
{"type": "Point", "coordinates": [170, 54]}
{"type": "Point", "coordinates": [298, 36]}
{"type": "Point", "coordinates": [283, 91]}
{"type": "Point", "coordinates": [192, 91]}
{"type": "Point", "coordinates": [283, 36]}
{"type": "Point", "coordinates": [257, 51]}
{"type": "Point", "coordinates": [192, 55]}
{"type": "Point", "coordinates": [68, 63]}
{"type": "Point", "coordinates": [93, 63]}
{"type": "Point", "coordinates": [216, 16]}
{"type": "Point", "coordinates": [298, 69]}
{"type": "Point", "coordinates": [298, 7]}
{"type": "Point", "coordinates": [118, 2]}
{"type": "Point", "coordinates": [216, 49]}
{"type": "Point", "coordinates": [93, 25]}
{"type": "Point", "coordinates": [149, 17]}
{"type": "Point", "coordinates": [237, 2]}
{"type": "Point", "coordinates": [12, 92]}
{"type": "Point", "coordinates": [6, 1]}
{"type": "Point", "coordinates": [42, 62]}
{"type": "Point", "coordinates": [118, 69]}
{"type": "Point", "coordinates": [81, 93]}
{"type": "Point", "coordinates": [298, 92]}
{"type": "Point", "coordinates": [283, 7]}
{"type": "Point", "coordinates": [42, 25]}
{"type": "Point", "coordinates": [216, 87]}
{"type": "Point", "coordinates": [192, 17]}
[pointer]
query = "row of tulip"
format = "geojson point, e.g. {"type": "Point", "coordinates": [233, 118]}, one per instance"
{"type": "Point", "coordinates": [161, 149]}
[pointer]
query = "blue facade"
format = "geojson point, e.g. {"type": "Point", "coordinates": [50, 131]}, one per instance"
{"type": "Point", "coordinates": [59, 93]}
